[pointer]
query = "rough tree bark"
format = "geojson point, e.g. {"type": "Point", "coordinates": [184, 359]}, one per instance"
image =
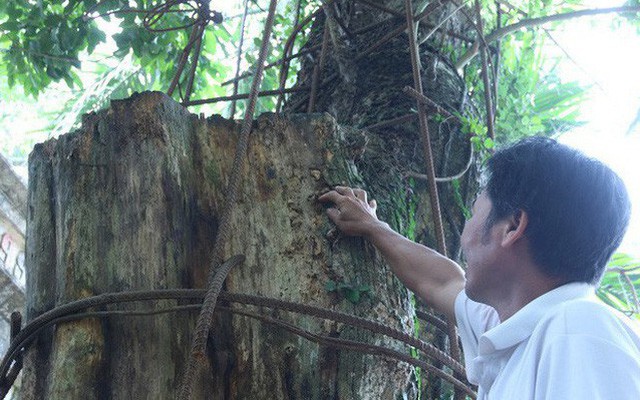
{"type": "Point", "coordinates": [362, 85]}
{"type": "Point", "coordinates": [363, 88]}
{"type": "Point", "coordinates": [131, 200]}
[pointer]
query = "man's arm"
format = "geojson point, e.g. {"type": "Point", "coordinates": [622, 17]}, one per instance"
{"type": "Point", "coordinates": [430, 275]}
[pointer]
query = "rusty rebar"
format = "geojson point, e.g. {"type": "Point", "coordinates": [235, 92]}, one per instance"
{"type": "Point", "coordinates": [183, 60]}
{"type": "Point", "coordinates": [318, 68]}
{"type": "Point", "coordinates": [284, 69]}
{"type": "Point", "coordinates": [424, 131]}
{"type": "Point", "coordinates": [426, 145]}
{"type": "Point", "coordinates": [205, 318]}
{"type": "Point", "coordinates": [245, 12]}
{"type": "Point", "coordinates": [194, 61]}
{"type": "Point", "coordinates": [485, 73]}
{"type": "Point", "coordinates": [65, 313]}
{"type": "Point", "coordinates": [241, 96]}
{"type": "Point", "coordinates": [7, 381]}
{"type": "Point", "coordinates": [427, 101]}
{"type": "Point", "coordinates": [401, 28]}
{"type": "Point", "coordinates": [199, 343]}
{"type": "Point", "coordinates": [357, 346]}
{"type": "Point", "coordinates": [275, 63]}
{"type": "Point", "coordinates": [432, 319]}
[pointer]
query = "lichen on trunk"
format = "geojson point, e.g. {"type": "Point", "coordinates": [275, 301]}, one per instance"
{"type": "Point", "coordinates": [131, 201]}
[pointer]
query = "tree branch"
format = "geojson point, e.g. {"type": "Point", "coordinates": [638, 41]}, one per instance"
{"type": "Point", "coordinates": [527, 23]}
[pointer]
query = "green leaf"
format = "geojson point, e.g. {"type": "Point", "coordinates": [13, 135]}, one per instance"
{"type": "Point", "coordinates": [10, 26]}
{"type": "Point", "coordinates": [488, 144]}
{"type": "Point", "coordinates": [94, 37]}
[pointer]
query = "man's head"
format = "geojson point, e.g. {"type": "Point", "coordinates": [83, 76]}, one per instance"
{"type": "Point", "coordinates": [577, 208]}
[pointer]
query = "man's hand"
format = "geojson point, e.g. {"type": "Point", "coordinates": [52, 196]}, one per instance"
{"type": "Point", "coordinates": [432, 276]}
{"type": "Point", "coordinates": [352, 213]}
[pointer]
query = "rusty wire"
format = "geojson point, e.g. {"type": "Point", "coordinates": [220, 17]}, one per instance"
{"type": "Point", "coordinates": [199, 343]}
{"type": "Point", "coordinates": [200, 17]}
{"type": "Point", "coordinates": [215, 280]}
{"type": "Point", "coordinates": [284, 69]}
{"type": "Point", "coordinates": [73, 311]}
{"type": "Point", "coordinates": [412, 33]}
{"type": "Point", "coordinates": [485, 73]}
{"type": "Point", "coordinates": [245, 12]}
{"type": "Point", "coordinates": [317, 69]}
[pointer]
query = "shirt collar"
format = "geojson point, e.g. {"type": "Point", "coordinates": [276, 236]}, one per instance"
{"type": "Point", "coordinates": [519, 326]}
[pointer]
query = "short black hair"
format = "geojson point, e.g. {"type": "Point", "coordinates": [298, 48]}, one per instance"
{"type": "Point", "coordinates": [578, 208]}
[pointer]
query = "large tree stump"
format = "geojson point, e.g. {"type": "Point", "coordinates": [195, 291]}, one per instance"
{"type": "Point", "coordinates": [131, 201]}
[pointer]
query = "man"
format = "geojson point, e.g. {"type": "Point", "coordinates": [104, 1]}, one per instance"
{"type": "Point", "coordinates": [536, 246]}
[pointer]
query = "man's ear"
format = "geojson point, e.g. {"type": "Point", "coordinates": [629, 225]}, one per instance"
{"type": "Point", "coordinates": [515, 227]}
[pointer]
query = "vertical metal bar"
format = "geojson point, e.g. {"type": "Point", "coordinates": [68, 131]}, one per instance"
{"type": "Point", "coordinates": [485, 74]}
{"type": "Point", "coordinates": [183, 60]}
{"type": "Point", "coordinates": [205, 319]}
{"type": "Point", "coordinates": [194, 61]}
{"type": "Point", "coordinates": [317, 69]}
{"type": "Point", "coordinates": [424, 131]}
{"type": "Point", "coordinates": [239, 57]}
{"type": "Point", "coordinates": [426, 144]}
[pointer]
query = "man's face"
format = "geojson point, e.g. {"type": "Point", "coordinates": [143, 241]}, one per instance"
{"type": "Point", "coordinates": [481, 247]}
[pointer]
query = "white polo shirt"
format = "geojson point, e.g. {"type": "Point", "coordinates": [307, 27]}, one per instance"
{"type": "Point", "coordinates": [564, 345]}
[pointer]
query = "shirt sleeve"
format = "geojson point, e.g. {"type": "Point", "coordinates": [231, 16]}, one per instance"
{"type": "Point", "coordinates": [473, 319]}
{"type": "Point", "coordinates": [586, 367]}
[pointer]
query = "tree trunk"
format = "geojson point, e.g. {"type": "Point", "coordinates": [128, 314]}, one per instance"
{"type": "Point", "coordinates": [131, 201]}
{"type": "Point", "coordinates": [362, 88]}
{"type": "Point", "coordinates": [362, 84]}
